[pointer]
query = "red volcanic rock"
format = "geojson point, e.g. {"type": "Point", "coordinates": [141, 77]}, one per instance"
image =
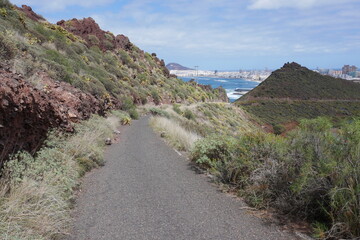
{"type": "Point", "coordinates": [90, 31]}
{"type": "Point", "coordinates": [123, 42]}
{"type": "Point", "coordinates": [27, 113]}
{"type": "Point", "coordinates": [30, 13]}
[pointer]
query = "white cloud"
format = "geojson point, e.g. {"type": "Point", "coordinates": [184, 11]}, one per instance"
{"type": "Point", "coordinates": [58, 5]}
{"type": "Point", "coordinates": [299, 4]}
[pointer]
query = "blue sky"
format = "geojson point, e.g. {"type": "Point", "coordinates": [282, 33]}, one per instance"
{"type": "Point", "coordinates": [227, 34]}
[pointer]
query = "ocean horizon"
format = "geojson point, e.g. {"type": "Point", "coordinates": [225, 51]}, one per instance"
{"type": "Point", "coordinates": [229, 84]}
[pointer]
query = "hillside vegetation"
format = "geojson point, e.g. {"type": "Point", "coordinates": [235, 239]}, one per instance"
{"type": "Point", "coordinates": [99, 67]}
{"type": "Point", "coordinates": [78, 68]}
{"type": "Point", "coordinates": [312, 174]}
{"type": "Point", "coordinates": [299, 83]}
{"type": "Point", "coordinates": [294, 92]}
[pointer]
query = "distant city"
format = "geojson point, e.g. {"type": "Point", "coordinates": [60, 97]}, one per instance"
{"type": "Point", "coordinates": [347, 72]}
{"type": "Point", "coordinates": [253, 75]}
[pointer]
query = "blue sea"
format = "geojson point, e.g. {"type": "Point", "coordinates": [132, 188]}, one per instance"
{"type": "Point", "coordinates": [230, 84]}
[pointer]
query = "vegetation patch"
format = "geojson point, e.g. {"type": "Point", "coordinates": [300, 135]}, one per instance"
{"type": "Point", "coordinates": [36, 192]}
{"type": "Point", "coordinates": [313, 173]}
{"type": "Point", "coordinates": [177, 136]}
{"type": "Point", "coordinates": [278, 112]}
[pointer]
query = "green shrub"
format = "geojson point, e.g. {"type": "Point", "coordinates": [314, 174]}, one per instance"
{"type": "Point", "coordinates": [278, 129]}
{"type": "Point", "coordinates": [176, 108]}
{"type": "Point", "coordinates": [155, 96]}
{"type": "Point", "coordinates": [127, 103]}
{"type": "Point", "coordinates": [5, 4]}
{"type": "Point", "coordinates": [133, 113]}
{"type": "Point", "coordinates": [313, 173]}
{"type": "Point", "coordinates": [213, 151]}
{"type": "Point", "coordinates": [159, 112]}
{"type": "Point", "coordinates": [3, 12]}
{"type": "Point", "coordinates": [93, 40]}
{"type": "Point", "coordinates": [189, 114]}
{"type": "Point", "coordinates": [7, 47]}
{"type": "Point", "coordinates": [85, 165]}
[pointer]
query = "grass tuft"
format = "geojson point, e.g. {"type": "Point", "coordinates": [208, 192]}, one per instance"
{"type": "Point", "coordinates": [36, 192]}
{"type": "Point", "coordinates": [178, 137]}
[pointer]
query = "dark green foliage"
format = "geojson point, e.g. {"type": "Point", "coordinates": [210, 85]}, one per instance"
{"type": "Point", "coordinates": [278, 129]}
{"type": "Point", "coordinates": [57, 57]}
{"type": "Point", "coordinates": [313, 173]}
{"type": "Point", "coordinates": [159, 112]}
{"type": "Point", "coordinates": [5, 4]}
{"type": "Point", "coordinates": [155, 96]}
{"type": "Point", "coordinates": [133, 113]}
{"type": "Point", "coordinates": [85, 165]}
{"type": "Point", "coordinates": [296, 82]}
{"type": "Point", "coordinates": [212, 151]}
{"type": "Point", "coordinates": [176, 108]}
{"type": "Point", "coordinates": [93, 40]}
{"type": "Point", "coordinates": [189, 114]}
{"type": "Point", "coordinates": [7, 47]}
{"type": "Point", "coordinates": [127, 103]}
{"type": "Point", "coordinates": [276, 111]}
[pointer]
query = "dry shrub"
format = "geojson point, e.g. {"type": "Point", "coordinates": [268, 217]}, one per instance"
{"type": "Point", "coordinates": [178, 137]}
{"type": "Point", "coordinates": [313, 174]}
{"type": "Point", "coordinates": [7, 47]}
{"type": "Point", "coordinates": [36, 192]}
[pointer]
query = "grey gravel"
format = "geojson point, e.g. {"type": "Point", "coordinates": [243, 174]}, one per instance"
{"type": "Point", "coordinates": [147, 191]}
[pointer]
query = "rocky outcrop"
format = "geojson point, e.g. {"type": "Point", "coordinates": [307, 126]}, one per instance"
{"type": "Point", "coordinates": [27, 112]}
{"type": "Point", "coordinates": [30, 13]}
{"type": "Point", "coordinates": [123, 42]}
{"type": "Point", "coordinates": [90, 31]}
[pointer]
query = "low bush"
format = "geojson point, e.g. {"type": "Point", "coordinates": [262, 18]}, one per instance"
{"type": "Point", "coordinates": [127, 103]}
{"type": "Point", "coordinates": [189, 114]}
{"type": "Point", "coordinates": [212, 151]}
{"type": "Point", "coordinates": [313, 173]}
{"type": "Point", "coordinates": [134, 113]}
{"type": "Point", "coordinates": [5, 4]}
{"type": "Point", "coordinates": [176, 108]}
{"type": "Point", "coordinates": [155, 96]}
{"type": "Point", "coordinates": [159, 112]}
{"type": "Point", "coordinates": [7, 47]}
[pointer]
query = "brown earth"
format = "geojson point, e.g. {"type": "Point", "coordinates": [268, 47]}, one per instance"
{"type": "Point", "coordinates": [93, 35]}
{"type": "Point", "coordinates": [87, 28]}
{"type": "Point", "coordinates": [28, 112]}
{"type": "Point", "coordinates": [30, 13]}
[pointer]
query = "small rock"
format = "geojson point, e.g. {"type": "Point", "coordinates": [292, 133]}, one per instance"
{"type": "Point", "coordinates": [108, 141]}
{"type": "Point", "coordinates": [117, 132]}
{"type": "Point", "coordinates": [72, 115]}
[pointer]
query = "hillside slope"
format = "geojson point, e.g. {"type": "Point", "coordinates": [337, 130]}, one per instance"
{"type": "Point", "coordinates": [295, 92]}
{"type": "Point", "coordinates": [296, 82]}
{"type": "Point", "coordinates": [109, 69]}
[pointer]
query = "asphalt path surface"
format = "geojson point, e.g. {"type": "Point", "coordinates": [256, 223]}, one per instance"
{"type": "Point", "coordinates": [148, 191]}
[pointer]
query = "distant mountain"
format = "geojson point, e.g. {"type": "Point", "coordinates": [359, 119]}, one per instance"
{"type": "Point", "coordinates": [293, 92]}
{"type": "Point", "coordinates": [176, 66]}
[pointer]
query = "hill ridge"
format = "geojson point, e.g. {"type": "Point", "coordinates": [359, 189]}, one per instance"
{"type": "Point", "coordinates": [294, 81]}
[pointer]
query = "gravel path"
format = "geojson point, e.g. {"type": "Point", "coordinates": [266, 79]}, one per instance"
{"type": "Point", "coordinates": [147, 191]}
